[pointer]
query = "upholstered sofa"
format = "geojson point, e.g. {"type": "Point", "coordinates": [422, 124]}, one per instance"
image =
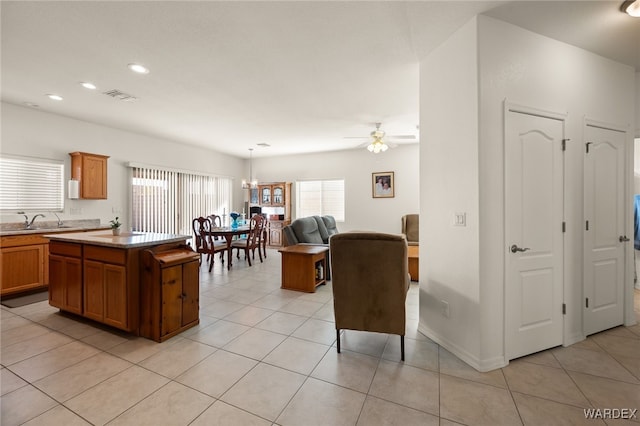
{"type": "Point", "coordinates": [310, 230]}
{"type": "Point", "coordinates": [314, 230]}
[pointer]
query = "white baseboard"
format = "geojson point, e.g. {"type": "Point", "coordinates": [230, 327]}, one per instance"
{"type": "Point", "coordinates": [482, 365]}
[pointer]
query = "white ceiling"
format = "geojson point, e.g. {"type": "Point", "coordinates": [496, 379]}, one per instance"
{"type": "Point", "coordinates": [300, 76]}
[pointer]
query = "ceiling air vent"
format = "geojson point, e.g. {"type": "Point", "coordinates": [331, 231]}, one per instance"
{"type": "Point", "coordinates": [119, 95]}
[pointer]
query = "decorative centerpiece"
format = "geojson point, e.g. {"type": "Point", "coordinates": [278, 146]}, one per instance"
{"type": "Point", "coordinates": [115, 226]}
{"type": "Point", "coordinates": [234, 216]}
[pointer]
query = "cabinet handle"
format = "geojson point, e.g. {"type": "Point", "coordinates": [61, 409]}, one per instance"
{"type": "Point", "coordinates": [171, 282]}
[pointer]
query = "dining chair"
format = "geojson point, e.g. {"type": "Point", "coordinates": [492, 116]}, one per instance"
{"type": "Point", "coordinates": [262, 242]}
{"type": "Point", "coordinates": [216, 222]}
{"type": "Point", "coordinates": [252, 242]}
{"type": "Point", "coordinates": [204, 243]}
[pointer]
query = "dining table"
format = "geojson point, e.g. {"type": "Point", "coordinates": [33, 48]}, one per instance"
{"type": "Point", "coordinates": [228, 233]}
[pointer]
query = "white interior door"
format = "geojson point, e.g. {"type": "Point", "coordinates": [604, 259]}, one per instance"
{"type": "Point", "coordinates": [604, 239]}
{"type": "Point", "coordinates": [534, 180]}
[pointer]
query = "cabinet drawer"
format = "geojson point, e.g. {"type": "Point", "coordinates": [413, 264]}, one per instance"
{"type": "Point", "coordinates": [275, 224]}
{"type": "Point", "coordinates": [22, 240]}
{"type": "Point", "coordinates": [105, 254]}
{"type": "Point", "coordinates": [65, 249]}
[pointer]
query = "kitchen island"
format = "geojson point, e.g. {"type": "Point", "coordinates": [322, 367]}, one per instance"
{"type": "Point", "coordinates": [101, 276]}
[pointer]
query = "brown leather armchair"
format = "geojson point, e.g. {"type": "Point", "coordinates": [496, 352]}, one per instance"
{"type": "Point", "coordinates": [410, 228]}
{"type": "Point", "coordinates": [370, 280]}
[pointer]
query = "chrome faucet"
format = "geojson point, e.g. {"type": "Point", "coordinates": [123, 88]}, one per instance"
{"type": "Point", "coordinates": [59, 220]}
{"type": "Point", "coordinates": [27, 223]}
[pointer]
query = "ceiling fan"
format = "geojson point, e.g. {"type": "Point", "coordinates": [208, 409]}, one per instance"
{"type": "Point", "coordinates": [378, 144]}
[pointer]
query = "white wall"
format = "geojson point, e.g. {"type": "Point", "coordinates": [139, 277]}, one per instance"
{"type": "Point", "coordinates": [637, 133]}
{"type": "Point", "coordinates": [355, 166]}
{"type": "Point", "coordinates": [528, 69]}
{"type": "Point", "coordinates": [449, 269]}
{"type": "Point", "coordinates": [33, 133]}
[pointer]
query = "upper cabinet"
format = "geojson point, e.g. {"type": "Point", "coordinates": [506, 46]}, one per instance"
{"type": "Point", "coordinates": [273, 194]}
{"type": "Point", "coordinates": [91, 171]}
{"type": "Point", "coordinates": [264, 192]}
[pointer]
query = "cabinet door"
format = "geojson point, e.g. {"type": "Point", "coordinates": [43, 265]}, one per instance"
{"type": "Point", "coordinates": [56, 280]}
{"type": "Point", "coordinates": [73, 288]}
{"type": "Point", "coordinates": [191, 292]}
{"type": "Point", "coordinates": [94, 290]}
{"type": "Point", "coordinates": [65, 286]}
{"type": "Point", "coordinates": [275, 237]}
{"type": "Point", "coordinates": [278, 195]}
{"type": "Point", "coordinates": [171, 299]}
{"type": "Point", "coordinates": [94, 177]}
{"type": "Point", "coordinates": [265, 195]}
{"type": "Point", "coordinates": [115, 295]}
{"type": "Point", "coordinates": [22, 268]}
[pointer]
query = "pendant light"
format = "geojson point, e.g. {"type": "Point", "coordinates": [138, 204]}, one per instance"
{"type": "Point", "coordinates": [253, 183]}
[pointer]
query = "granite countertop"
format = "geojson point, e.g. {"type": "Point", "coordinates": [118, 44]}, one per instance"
{"type": "Point", "coordinates": [124, 240]}
{"type": "Point", "coordinates": [50, 227]}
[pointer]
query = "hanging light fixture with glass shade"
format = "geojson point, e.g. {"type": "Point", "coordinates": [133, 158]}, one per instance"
{"type": "Point", "coordinates": [377, 145]}
{"type": "Point", "coordinates": [632, 8]}
{"type": "Point", "coordinates": [252, 183]}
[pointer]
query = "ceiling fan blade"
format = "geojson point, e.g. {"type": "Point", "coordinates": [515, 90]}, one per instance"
{"type": "Point", "coordinates": [405, 137]}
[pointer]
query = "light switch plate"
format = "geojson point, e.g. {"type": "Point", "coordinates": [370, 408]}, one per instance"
{"type": "Point", "coordinates": [460, 219]}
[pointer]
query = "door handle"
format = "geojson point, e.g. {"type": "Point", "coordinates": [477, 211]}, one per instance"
{"type": "Point", "coordinates": [515, 249]}
{"type": "Point", "coordinates": [623, 239]}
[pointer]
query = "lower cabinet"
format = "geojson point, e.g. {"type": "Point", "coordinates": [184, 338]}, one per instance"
{"type": "Point", "coordinates": [170, 292]}
{"type": "Point", "coordinates": [65, 283]}
{"type": "Point", "coordinates": [105, 296]}
{"type": "Point", "coordinates": [24, 263]}
{"type": "Point", "coordinates": [276, 234]}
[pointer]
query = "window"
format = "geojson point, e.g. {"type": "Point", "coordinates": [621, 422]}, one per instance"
{"type": "Point", "coordinates": [31, 184]}
{"type": "Point", "coordinates": [320, 197]}
{"type": "Point", "coordinates": [166, 201]}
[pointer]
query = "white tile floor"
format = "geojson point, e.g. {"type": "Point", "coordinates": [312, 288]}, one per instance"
{"type": "Point", "coordinates": [266, 356]}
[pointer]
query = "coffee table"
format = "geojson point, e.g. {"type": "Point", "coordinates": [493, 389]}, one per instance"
{"type": "Point", "coordinates": [303, 267]}
{"type": "Point", "coordinates": [414, 259]}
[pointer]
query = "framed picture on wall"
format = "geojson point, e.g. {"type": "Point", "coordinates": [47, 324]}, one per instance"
{"type": "Point", "coordinates": [382, 185]}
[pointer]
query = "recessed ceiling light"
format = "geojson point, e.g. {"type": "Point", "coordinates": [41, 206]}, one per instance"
{"type": "Point", "coordinates": [88, 85]}
{"type": "Point", "coordinates": [54, 97]}
{"type": "Point", "coordinates": [140, 69]}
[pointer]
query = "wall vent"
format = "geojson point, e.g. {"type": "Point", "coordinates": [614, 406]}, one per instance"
{"type": "Point", "coordinates": [120, 95]}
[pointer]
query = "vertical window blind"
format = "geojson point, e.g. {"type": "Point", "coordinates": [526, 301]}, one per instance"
{"type": "Point", "coordinates": [320, 197]}
{"type": "Point", "coordinates": [166, 201]}
{"type": "Point", "coordinates": [31, 184]}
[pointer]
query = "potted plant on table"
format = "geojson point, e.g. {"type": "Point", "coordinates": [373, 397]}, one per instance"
{"type": "Point", "coordinates": [115, 226]}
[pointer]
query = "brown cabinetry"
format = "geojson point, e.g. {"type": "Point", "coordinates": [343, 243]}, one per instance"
{"type": "Point", "coordinates": [91, 171]}
{"type": "Point", "coordinates": [276, 237]}
{"type": "Point", "coordinates": [170, 291]}
{"type": "Point", "coordinates": [106, 286]}
{"type": "Point", "coordinates": [24, 263]}
{"type": "Point", "coordinates": [276, 196]}
{"type": "Point", "coordinates": [65, 276]}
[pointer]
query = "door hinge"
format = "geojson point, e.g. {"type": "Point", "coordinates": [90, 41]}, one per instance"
{"type": "Point", "coordinates": [587, 144]}
{"type": "Point", "coordinates": [586, 305]}
{"type": "Point", "coordinates": [564, 144]}
{"type": "Point", "coordinates": [564, 226]}
{"type": "Point", "coordinates": [564, 309]}
{"type": "Point", "coordinates": [587, 227]}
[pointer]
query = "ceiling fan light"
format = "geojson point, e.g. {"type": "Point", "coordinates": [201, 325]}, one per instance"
{"type": "Point", "coordinates": [633, 9]}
